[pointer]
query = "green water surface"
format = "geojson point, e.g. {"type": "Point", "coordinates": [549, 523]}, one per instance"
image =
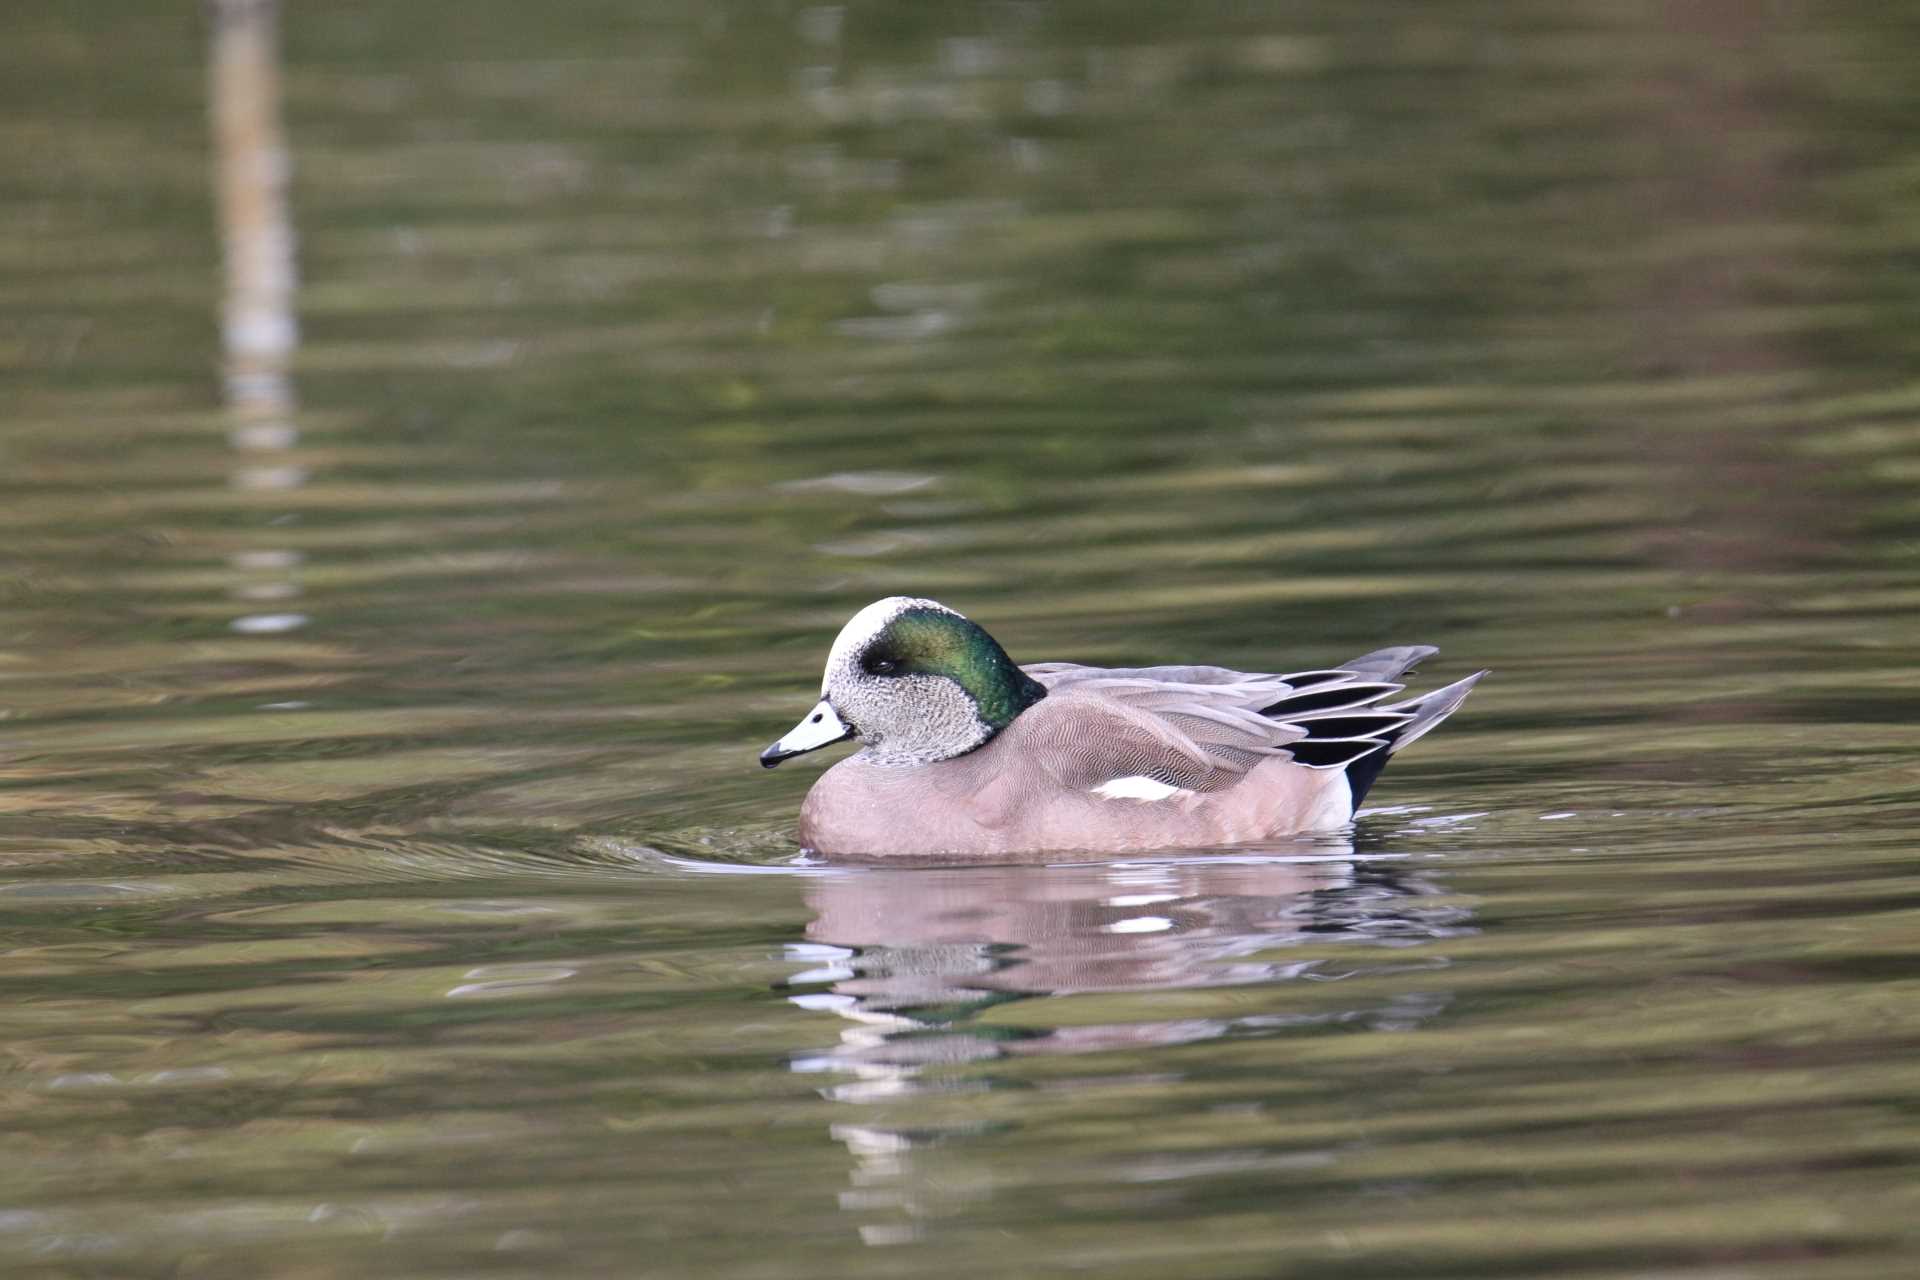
{"type": "Point", "coordinates": [387, 884]}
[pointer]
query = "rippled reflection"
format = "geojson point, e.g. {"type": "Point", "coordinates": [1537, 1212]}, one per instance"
{"type": "Point", "coordinates": [258, 325]}
{"type": "Point", "coordinates": [927, 966]}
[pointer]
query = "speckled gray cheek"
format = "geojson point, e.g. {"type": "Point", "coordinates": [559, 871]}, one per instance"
{"type": "Point", "coordinates": [946, 722]}
{"type": "Point", "coordinates": [912, 720]}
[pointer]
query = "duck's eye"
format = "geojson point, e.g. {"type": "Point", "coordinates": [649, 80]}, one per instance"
{"type": "Point", "coordinates": [882, 666]}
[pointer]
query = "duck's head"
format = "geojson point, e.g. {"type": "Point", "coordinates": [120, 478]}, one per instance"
{"type": "Point", "coordinates": [915, 682]}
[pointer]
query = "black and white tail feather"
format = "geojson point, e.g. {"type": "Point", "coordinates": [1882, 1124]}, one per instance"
{"type": "Point", "coordinates": [1333, 718]}
{"type": "Point", "coordinates": [1349, 727]}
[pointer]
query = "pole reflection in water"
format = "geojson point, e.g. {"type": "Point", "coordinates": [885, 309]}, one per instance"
{"type": "Point", "coordinates": [258, 328]}
{"type": "Point", "coordinates": [913, 959]}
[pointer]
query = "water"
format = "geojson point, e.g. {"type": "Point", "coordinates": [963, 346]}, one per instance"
{"type": "Point", "coordinates": [388, 885]}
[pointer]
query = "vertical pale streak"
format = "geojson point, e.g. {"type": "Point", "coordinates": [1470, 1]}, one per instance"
{"type": "Point", "coordinates": [258, 329]}
{"type": "Point", "coordinates": [250, 173]}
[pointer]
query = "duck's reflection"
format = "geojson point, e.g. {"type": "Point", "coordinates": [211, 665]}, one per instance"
{"type": "Point", "coordinates": [913, 959]}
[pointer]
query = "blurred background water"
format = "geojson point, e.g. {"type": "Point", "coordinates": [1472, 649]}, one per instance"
{"type": "Point", "coordinates": [387, 884]}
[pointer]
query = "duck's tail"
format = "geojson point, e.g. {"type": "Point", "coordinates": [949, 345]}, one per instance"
{"type": "Point", "coordinates": [1427, 710]}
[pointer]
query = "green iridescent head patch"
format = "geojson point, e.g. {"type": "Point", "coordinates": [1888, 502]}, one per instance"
{"type": "Point", "coordinates": [932, 642]}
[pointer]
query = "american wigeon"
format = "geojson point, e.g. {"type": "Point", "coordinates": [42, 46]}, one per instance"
{"type": "Point", "coordinates": [965, 754]}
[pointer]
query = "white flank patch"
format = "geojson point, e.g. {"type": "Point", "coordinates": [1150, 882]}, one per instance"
{"type": "Point", "coordinates": [1137, 788]}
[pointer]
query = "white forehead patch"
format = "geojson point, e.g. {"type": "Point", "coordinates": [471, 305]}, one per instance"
{"type": "Point", "coordinates": [868, 623]}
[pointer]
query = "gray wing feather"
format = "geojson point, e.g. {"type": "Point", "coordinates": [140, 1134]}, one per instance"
{"type": "Point", "coordinates": [1230, 720]}
{"type": "Point", "coordinates": [1390, 664]}
{"type": "Point", "coordinates": [1213, 712]}
{"type": "Point", "coordinates": [1083, 741]}
{"type": "Point", "coordinates": [1430, 709]}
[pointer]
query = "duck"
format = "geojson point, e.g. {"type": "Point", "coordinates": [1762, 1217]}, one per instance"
{"type": "Point", "coordinates": [966, 755]}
